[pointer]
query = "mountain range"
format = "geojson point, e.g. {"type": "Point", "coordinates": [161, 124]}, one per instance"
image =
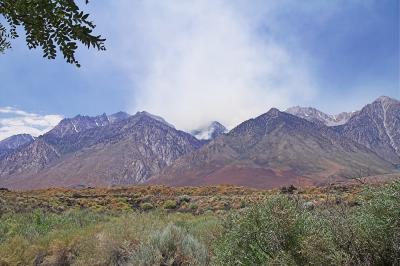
{"type": "Point", "coordinates": [274, 149]}
{"type": "Point", "coordinates": [299, 146]}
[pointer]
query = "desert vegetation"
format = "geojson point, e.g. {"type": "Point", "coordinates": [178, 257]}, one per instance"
{"type": "Point", "coordinates": [336, 225]}
{"type": "Point", "coordinates": [284, 231]}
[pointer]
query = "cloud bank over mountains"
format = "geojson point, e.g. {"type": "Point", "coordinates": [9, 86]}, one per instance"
{"type": "Point", "coordinates": [15, 121]}
{"type": "Point", "coordinates": [193, 62]}
{"type": "Point", "coordinates": [196, 61]}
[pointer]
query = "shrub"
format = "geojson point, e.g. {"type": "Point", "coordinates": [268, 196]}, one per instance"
{"type": "Point", "coordinates": [376, 227]}
{"type": "Point", "coordinates": [42, 236]}
{"type": "Point", "coordinates": [193, 206]}
{"type": "Point", "coordinates": [288, 190]}
{"type": "Point", "coordinates": [170, 204]}
{"type": "Point", "coordinates": [76, 195]}
{"type": "Point", "coordinates": [262, 235]}
{"type": "Point", "coordinates": [146, 206]}
{"type": "Point", "coordinates": [115, 242]}
{"type": "Point", "coordinates": [282, 231]}
{"type": "Point", "coordinates": [14, 252]}
{"type": "Point", "coordinates": [184, 198]}
{"type": "Point", "coordinates": [171, 246]}
{"type": "Point", "coordinates": [368, 233]}
{"type": "Point", "coordinates": [39, 223]}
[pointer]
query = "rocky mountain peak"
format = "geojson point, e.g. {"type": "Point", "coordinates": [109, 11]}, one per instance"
{"type": "Point", "coordinates": [93, 150]}
{"type": "Point", "coordinates": [275, 148]}
{"type": "Point", "coordinates": [210, 131]}
{"type": "Point", "coordinates": [376, 126]}
{"type": "Point", "coordinates": [316, 116]}
{"type": "Point", "coordinates": [385, 102]}
{"type": "Point", "coordinates": [155, 117]}
{"type": "Point", "coordinates": [273, 112]}
{"type": "Point", "coordinates": [267, 122]}
{"type": "Point", "coordinates": [119, 116]}
{"type": "Point", "coordinates": [385, 99]}
{"type": "Point", "coordinates": [79, 123]}
{"type": "Point", "coordinates": [14, 142]}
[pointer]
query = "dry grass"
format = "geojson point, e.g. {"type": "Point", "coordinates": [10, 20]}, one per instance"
{"type": "Point", "coordinates": [196, 200]}
{"type": "Point", "coordinates": [118, 226]}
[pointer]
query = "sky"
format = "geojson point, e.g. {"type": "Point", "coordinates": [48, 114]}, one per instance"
{"type": "Point", "coordinates": [196, 61]}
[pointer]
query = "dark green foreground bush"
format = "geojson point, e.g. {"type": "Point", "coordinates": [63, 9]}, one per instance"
{"type": "Point", "coordinates": [282, 232]}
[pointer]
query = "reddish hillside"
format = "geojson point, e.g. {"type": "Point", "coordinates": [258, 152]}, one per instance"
{"type": "Point", "coordinates": [272, 150]}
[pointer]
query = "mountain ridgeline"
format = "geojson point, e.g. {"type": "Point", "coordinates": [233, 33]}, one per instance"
{"type": "Point", "coordinates": [12, 143]}
{"type": "Point", "coordinates": [377, 126]}
{"type": "Point", "coordinates": [96, 151]}
{"type": "Point", "coordinates": [301, 146]}
{"type": "Point", "coordinates": [271, 150]}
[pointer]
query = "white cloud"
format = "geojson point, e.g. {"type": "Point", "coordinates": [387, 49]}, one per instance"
{"type": "Point", "coordinates": [197, 61]}
{"type": "Point", "coordinates": [14, 121]}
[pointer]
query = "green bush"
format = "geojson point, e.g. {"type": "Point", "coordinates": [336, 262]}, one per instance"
{"type": "Point", "coordinates": [146, 206]}
{"type": "Point", "coordinates": [184, 198]}
{"type": "Point", "coordinates": [171, 246]}
{"type": "Point", "coordinates": [281, 231]}
{"type": "Point", "coordinates": [376, 227]}
{"type": "Point", "coordinates": [262, 235]}
{"type": "Point", "coordinates": [170, 204]}
{"type": "Point", "coordinates": [26, 236]}
{"type": "Point", "coordinates": [193, 206]}
{"type": "Point", "coordinates": [39, 223]}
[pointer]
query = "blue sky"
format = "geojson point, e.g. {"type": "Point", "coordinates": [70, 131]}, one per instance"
{"type": "Point", "coordinates": [196, 61]}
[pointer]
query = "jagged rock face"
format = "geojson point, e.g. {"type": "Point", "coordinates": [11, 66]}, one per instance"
{"type": "Point", "coordinates": [124, 152]}
{"type": "Point", "coordinates": [79, 123]}
{"type": "Point", "coordinates": [14, 142]}
{"type": "Point", "coordinates": [211, 131]}
{"type": "Point", "coordinates": [28, 160]}
{"type": "Point", "coordinates": [377, 126]}
{"type": "Point", "coordinates": [316, 116]}
{"type": "Point", "coordinates": [342, 118]}
{"type": "Point", "coordinates": [118, 117]}
{"type": "Point", "coordinates": [271, 150]}
{"type": "Point", "coordinates": [141, 148]}
{"type": "Point", "coordinates": [72, 134]}
{"type": "Point", "coordinates": [155, 117]}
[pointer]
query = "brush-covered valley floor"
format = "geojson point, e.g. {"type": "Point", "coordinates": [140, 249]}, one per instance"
{"type": "Point", "coordinates": [342, 224]}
